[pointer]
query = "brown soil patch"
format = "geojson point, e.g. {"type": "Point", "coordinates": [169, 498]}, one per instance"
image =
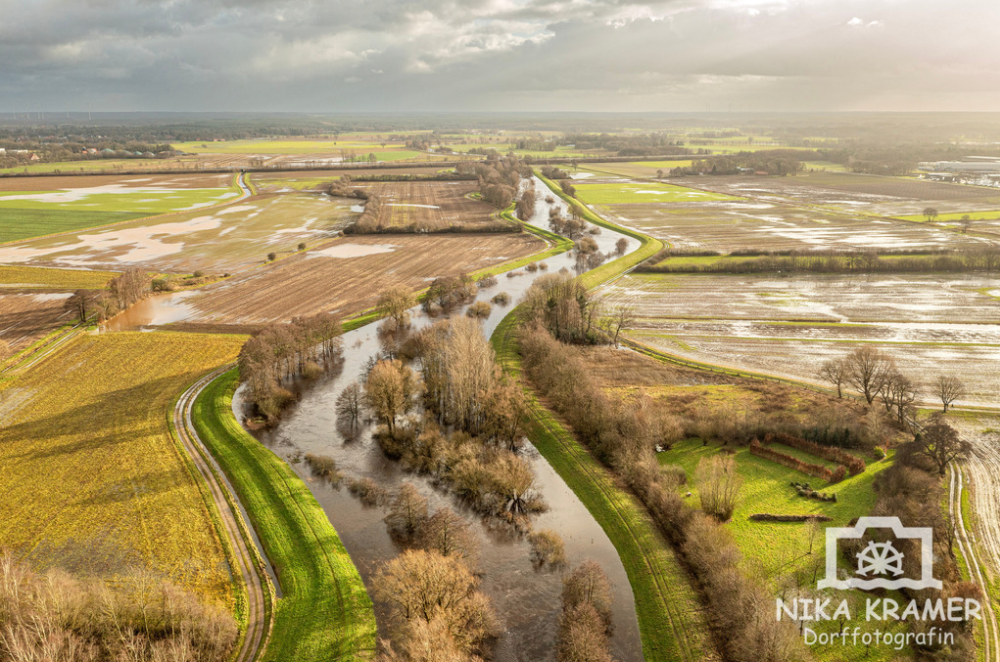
{"type": "Point", "coordinates": [430, 206]}
{"type": "Point", "coordinates": [304, 285]}
{"type": "Point", "coordinates": [26, 317]}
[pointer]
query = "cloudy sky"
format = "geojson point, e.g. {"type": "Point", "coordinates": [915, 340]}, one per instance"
{"type": "Point", "coordinates": [405, 55]}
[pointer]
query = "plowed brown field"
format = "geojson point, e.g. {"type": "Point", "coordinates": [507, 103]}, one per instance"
{"type": "Point", "coordinates": [347, 275]}
{"type": "Point", "coordinates": [26, 317]}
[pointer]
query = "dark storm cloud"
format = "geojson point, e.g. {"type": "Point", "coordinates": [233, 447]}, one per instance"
{"type": "Point", "coordinates": [498, 54]}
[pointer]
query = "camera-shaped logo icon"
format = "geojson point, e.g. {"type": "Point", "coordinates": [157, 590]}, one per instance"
{"type": "Point", "coordinates": [880, 564]}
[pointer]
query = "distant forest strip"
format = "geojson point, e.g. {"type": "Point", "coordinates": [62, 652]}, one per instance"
{"type": "Point", "coordinates": [985, 258]}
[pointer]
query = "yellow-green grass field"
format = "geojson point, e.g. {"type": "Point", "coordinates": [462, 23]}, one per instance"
{"type": "Point", "coordinates": [953, 217]}
{"type": "Point", "coordinates": [20, 277]}
{"type": "Point", "coordinates": [638, 193]}
{"type": "Point", "coordinates": [28, 214]}
{"type": "Point", "coordinates": [93, 480]}
{"type": "Point", "coordinates": [779, 553]}
{"type": "Point", "coordinates": [96, 165]}
{"type": "Point", "coordinates": [324, 612]}
{"type": "Point", "coordinates": [145, 201]}
{"type": "Point", "coordinates": [637, 169]}
{"type": "Point", "coordinates": [779, 549]}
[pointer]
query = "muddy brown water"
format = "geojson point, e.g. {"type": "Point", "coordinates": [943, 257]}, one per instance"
{"type": "Point", "coordinates": [527, 599]}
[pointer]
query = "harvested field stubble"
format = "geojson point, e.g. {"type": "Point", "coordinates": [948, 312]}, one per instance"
{"type": "Point", "coordinates": [93, 480]}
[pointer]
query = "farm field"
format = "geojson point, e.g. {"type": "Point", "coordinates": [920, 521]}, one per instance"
{"type": "Point", "coordinates": [643, 192]}
{"type": "Point", "coordinates": [22, 277]}
{"type": "Point", "coordinates": [25, 318]}
{"type": "Point", "coordinates": [347, 275]}
{"type": "Point", "coordinates": [789, 326]}
{"type": "Point", "coordinates": [330, 145]}
{"type": "Point", "coordinates": [94, 481]}
{"type": "Point", "coordinates": [728, 226]}
{"type": "Point", "coordinates": [219, 240]}
{"type": "Point", "coordinates": [638, 169]}
{"type": "Point", "coordinates": [39, 206]}
{"type": "Point", "coordinates": [760, 219]}
{"type": "Point", "coordinates": [868, 194]}
{"type": "Point", "coordinates": [320, 180]}
{"type": "Point", "coordinates": [430, 206]}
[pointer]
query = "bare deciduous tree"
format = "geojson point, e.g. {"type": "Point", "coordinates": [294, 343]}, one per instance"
{"type": "Point", "coordinates": [898, 394]}
{"type": "Point", "coordinates": [82, 304]}
{"type": "Point", "coordinates": [350, 403]}
{"type": "Point", "coordinates": [619, 316]}
{"type": "Point", "coordinates": [389, 391]}
{"type": "Point", "coordinates": [835, 371]}
{"type": "Point", "coordinates": [949, 388]}
{"type": "Point", "coordinates": [867, 370]}
{"type": "Point", "coordinates": [941, 444]}
{"type": "Point", "coordinates": [407, 514]}
{"type": "Point", "coordinates": [448, 534]}
{"type": "Point", "coordinates": [425, 586]}
{"type": "Point", "coordinates": [719, 485]}
{"type": "Point", "coordinates": [588, 585]}
{"type": "Point", "coordinates": [395, 304]}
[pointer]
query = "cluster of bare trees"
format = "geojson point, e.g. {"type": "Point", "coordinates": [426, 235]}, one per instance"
{"type": "Point", "coordinates": [54, 617]}
{"type": "Point", "coordinates": [874, 374]}
{"type": "Point", "coordinates": [436, 611]}
{"type": "Point", "coordinates": [499, 178]}
{"type": "Point", "coordinates": [623, 434]}
{"type": "Point", "coordinates": [562, 305]}
{"type": "Point", "coordinates": [448, 292]}
{"type": "Point", "coordinates": [129, 287]}
{"type": "Point", "coordinates": [585, 624]}
{"type": "Point", "coordinates": [280, 352]}
{"type": "Point", "coordinates": [460, 386]}
{"type": "Point", "coordinates": [394, 305]}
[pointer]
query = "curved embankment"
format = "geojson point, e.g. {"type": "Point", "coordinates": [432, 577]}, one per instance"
{"type": "Point", "coordinates": [324, 613]}
{"type": "Point", "coordinates": [670, 624]}
{"type": "Point", "coordinates": [255, 599]}
{"type": "Point", "coordinates": [982, 465]}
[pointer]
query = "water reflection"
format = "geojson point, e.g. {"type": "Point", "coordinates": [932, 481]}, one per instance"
{"type": "Point", "coordinates": [527, 599]}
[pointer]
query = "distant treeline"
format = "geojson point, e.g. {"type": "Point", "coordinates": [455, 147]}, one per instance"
{"type": "Point", "coordinates": [980, 258]}
{"type": "Point", "coordinates": [772, 162]}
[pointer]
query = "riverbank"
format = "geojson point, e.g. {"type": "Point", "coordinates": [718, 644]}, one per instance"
{"type": "Point", "coordinates": [324, 612]}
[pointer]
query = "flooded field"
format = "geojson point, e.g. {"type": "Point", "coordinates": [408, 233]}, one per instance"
{"type": "Point", "coordinates": [225, 239]}
{"type": "Point", "coordinates": [789, 326]}
{"type": "Point", "coordinates": [526, 598]}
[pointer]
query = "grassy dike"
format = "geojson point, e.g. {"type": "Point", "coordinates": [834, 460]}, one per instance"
{"type": "Point", "coordinates": [670, 626]}
{"type": "Point", "coordinates": [325, 612]}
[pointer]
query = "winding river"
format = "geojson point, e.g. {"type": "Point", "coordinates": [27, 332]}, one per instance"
{"type": "Point", "coordinates": [526, 599]}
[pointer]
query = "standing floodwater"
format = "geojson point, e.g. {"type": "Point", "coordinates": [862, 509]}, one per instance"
{"type": "Point", "coordinates": [527, 600]}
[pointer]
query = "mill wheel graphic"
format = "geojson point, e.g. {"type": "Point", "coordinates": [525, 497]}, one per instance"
{"type": "Point", "coordinates": [880, 558]}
